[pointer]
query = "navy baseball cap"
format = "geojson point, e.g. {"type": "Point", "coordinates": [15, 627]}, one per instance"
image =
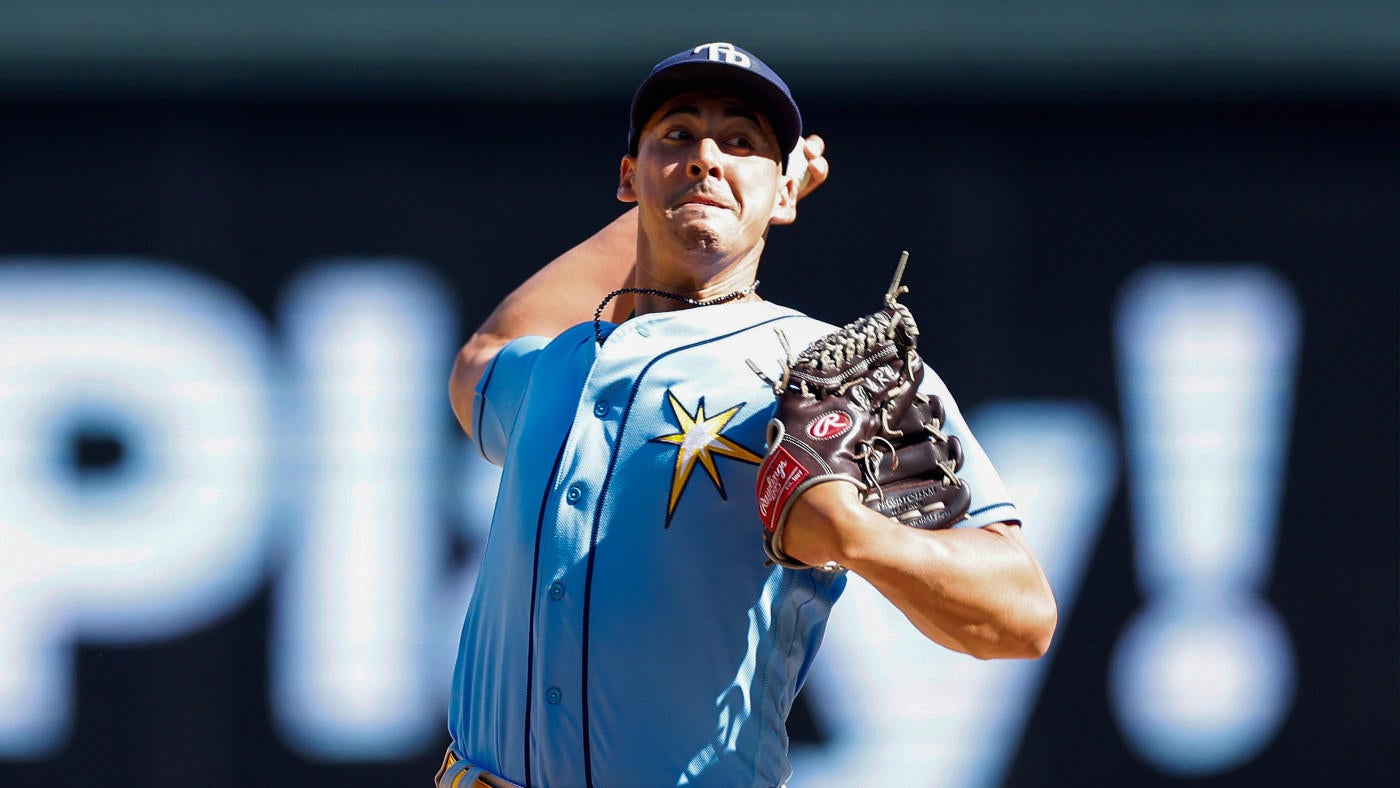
{"type": "Point", "coordinates": [720, 66]}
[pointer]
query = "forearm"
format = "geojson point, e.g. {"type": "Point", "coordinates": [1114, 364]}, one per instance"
{"type": "Point", "coordinates": [979, 591]}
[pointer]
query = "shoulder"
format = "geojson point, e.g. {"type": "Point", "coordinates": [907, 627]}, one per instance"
{"type": "Point", "coordinates": [516, 362]}
{"type": "Point", "coordinates": [531, 349]}
{"type": "Point", "coordinates": [800, 328]}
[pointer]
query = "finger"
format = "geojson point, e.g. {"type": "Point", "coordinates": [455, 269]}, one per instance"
{"type": "Point", "coordinates": [797, 166]}
{"type": "Point", "coordinates": [818, 168]}
{"type": "Point", "coordinates": [817, 172]}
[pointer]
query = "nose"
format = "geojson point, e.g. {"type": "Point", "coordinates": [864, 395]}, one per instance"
{"type": "Point", "coordinates": [705, 161]}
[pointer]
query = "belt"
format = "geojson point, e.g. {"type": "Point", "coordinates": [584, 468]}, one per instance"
{"type": "Point", "coordinates": [457, 773]}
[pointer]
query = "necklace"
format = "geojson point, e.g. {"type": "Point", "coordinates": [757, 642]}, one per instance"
{"type": "Point", "coordinates": [724, 299]}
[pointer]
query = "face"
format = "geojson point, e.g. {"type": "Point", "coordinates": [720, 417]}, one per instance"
{"type": "Point", "coordinates": [707, 176]}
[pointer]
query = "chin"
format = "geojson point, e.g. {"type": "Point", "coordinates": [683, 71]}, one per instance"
{"type": "Point", "coordinates": [701, 238]}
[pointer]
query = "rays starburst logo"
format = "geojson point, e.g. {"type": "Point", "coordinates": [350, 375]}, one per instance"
{"type": "Point", "coordinates": [698, 441]}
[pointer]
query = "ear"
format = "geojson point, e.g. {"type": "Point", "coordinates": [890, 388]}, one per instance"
{"type": "Point", "coordinates": [626, 172]}
{"type": "Point", "coordinates": [785, 201]}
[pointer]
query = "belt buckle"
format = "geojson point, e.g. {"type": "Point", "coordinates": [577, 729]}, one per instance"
{"type": "Point", "coordinates": [450, 759]}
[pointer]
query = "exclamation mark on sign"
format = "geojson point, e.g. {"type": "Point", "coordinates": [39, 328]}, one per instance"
{"type": "Point", "coordinates": [1203, 674]}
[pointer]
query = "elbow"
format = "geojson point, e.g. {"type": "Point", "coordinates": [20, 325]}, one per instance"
{"type": "Point", "coordinates": [459, 394]}
{"type": "Point", "coordinates": [467, 369]}
{"type": "Point", "coordinates": [1027, 635]}
{"type": "Point", "coordinates": [1037, 643]}
{"type": "Point", "coordinates": [1034, 615]}
{"type": "Point", "coordinates": [1037, 629]}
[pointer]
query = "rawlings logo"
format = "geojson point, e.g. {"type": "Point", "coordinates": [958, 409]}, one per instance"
{"type": "Point", "coordinates": [777, 478]}
{"type": "Point", "coordinates": [829, 425]}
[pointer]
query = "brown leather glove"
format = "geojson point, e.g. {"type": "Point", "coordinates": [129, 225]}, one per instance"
{"type": "Point", "coordinates": [849, 408]}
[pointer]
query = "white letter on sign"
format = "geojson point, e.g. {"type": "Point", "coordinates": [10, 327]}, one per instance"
{"type": "Point", "coordinates": [133, 469]}
{"type": "Point", "coordinates": [352, 642]}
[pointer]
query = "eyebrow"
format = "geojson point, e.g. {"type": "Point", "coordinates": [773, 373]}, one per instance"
{"type": "Point", "coordinates": [732, 111]}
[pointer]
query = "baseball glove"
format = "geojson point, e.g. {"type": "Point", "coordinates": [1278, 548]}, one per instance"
{"type": "Point", "coordinates": [849, 407]}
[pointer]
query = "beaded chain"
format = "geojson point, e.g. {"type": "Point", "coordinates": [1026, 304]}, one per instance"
{"type": "Point", "coordinates": [724, 299]}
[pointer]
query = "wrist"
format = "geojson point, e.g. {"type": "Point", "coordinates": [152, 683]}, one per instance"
{"type": "Point", "coordinates": [827, 524]}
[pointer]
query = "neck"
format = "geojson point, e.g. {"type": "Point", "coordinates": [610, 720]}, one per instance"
{"type": "Point", "coordinates": [698, 278]}
{"type": "Point", "coordinates": [657, 298]}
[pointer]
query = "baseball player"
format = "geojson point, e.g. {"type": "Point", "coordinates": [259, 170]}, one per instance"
{"type": "Point", "coordinates": [637, 620]}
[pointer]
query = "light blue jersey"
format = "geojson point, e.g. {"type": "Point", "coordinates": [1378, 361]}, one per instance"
{"type": "Point", "coordinates": [625, 630]}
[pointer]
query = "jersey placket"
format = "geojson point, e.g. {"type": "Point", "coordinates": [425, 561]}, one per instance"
{"type": "Point", "coordinates": [558, 734]}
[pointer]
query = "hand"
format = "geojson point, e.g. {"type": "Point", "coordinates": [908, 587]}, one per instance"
{"type": "Point", "coordinates": [816, 169]}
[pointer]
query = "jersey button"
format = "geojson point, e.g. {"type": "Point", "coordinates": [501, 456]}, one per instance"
{"type": "Point", "coordinates": [574, 495]}
{"type": "Point", "coordinates": [556, 590]}
{"type": "Point", "coordinates": [554, 696]}
{"type": "Point", "coordinates": [601, 409]}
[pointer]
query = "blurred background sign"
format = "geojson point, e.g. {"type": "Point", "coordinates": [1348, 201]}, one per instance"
{"type": "Point", "coordinates": [240, 243]}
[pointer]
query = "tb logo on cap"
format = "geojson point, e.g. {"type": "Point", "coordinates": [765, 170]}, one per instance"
{"type": "Point", "coordinates": [721, 52]}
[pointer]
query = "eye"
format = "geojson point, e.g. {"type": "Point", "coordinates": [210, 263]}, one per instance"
{"type": "Point", "coordinates": [680, 135]}
{"type": "Point", "coordinates": [741, 141]}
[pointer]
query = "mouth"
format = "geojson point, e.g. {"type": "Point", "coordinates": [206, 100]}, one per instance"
{"type": "Point", "coordinates": [701, 200]}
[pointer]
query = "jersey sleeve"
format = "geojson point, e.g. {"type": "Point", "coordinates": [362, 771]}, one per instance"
{"type": "Point", "coordinates": [990, 501]}
{"type": "Point", "coordinates": [499, 393]}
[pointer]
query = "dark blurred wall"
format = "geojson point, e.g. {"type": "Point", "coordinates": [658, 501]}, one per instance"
{"type": "Point", "coordinates": [1025, 220]}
